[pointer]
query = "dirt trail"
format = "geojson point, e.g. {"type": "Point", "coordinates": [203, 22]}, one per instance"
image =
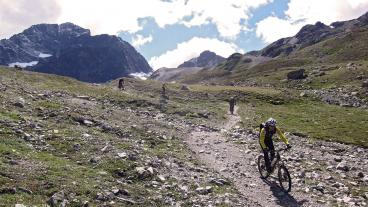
{"type": "Point", "coordinates": [237, 163]}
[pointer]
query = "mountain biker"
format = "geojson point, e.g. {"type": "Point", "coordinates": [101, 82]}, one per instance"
{"type": "Point", "coordinates": [268, 129]}
{"type": "Point", "coordinates": [232, 104]}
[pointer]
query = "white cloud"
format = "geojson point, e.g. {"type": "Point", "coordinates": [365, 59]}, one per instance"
{"type": "Point", "coordinates": [192, 48]}
{"type": "Point", "coordinates": [139, 40]}
{"type": "Point", "coordinates": [17, 15]}
{"type": "Point", "coordinates": [273, 28]}
{"type": "Point", "coordinates": [301, 12]}
{"type": "Point", "coordinates": [226, 15]}
{"type": "Point", "coordinates": [111, 16]}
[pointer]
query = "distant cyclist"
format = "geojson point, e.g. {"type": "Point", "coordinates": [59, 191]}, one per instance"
{"type": "Point", "coordinates": [268, 129]}
{"type": "Point", "coordinates": [232, 103]}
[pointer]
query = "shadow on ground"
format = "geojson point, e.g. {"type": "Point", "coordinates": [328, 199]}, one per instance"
{"type": "Point", "coordinates": [283, 199]}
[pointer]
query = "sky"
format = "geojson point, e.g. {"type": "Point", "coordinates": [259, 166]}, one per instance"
{"type": "Point", "coordinates": [169, 32]}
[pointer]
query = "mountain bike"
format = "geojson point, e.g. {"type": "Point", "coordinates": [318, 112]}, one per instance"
{"type": "Point", "coordinates": [283, 173]}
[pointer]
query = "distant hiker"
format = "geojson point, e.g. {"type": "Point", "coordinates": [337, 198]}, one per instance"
{"type": "Point", "coordinates": [267, 130]}
{"type": "Point", "coordinates": [164, 89]}
{"type": "Point", "coordinates": [121, 84]}
{"type": "Point", "coordinates": [232, 104]}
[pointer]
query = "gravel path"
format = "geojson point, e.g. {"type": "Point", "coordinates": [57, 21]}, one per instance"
{"type": "Point", "coordinates": [237, 163]}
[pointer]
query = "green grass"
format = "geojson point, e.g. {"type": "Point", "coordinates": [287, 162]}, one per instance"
{"type": "Point", "coordinates": [9, 115]}
{"type": "Point", "coordinates": [49, 105]}
{"type": "Point", "coordinates": [318, 120]}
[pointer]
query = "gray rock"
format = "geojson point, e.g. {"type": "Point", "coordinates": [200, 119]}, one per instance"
{"type": "Point", "coordinates": [95, 160]}
{"type": "Point", "coordinates": [27, 137]}
{"type": "Point", "coordinates": [58, 200]}
{"type": "Point", "coordinates": [302, 94]}
{"type": "Point", "coordinates": [8, 191]}
{"type": "Point", "coordinates": [219, 182]}
{"type": "Point", "coordinates": [365, 84]}
{"type": "Point", "coordinates": [338, 159]}
{"type": "Point", "coordinates": [122, 155]}
{"type": "Point", "coordinates": [101, 197]}
{"type": "Point", "coordinates": [140, 170]}
{"type": "Point", "coordinates": [302, 174]}
{"type": "Point", "coordinates": [360, 175]}
{"type": "Point", "coordinates": [77, 146]}
{"type": "Point", "coordinates": [87, 122]}
{"type": "Point", "coordinates": [161, 178]}
{"type": "Point", "coordinates": [296, 75]}
{"type": "Point", "coordinates": [365, 179]}
{"type": "Point", "coordinates": [184, 88]}
{"type": "Point", "coordinates": [204, 191]}
{"type": "Point", "coordinates": [342, 166]}
{"type": "Point", "coordinates": [20, 103]}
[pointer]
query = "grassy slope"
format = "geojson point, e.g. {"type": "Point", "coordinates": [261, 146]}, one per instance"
{"type": "Point", "coordinates": [311, 117]}
{"type": "Point", "coordinates": [332, 53]}
{"type": "Point", "coordinates": [59, 167]}
{"type": "Point", "coordinates": [314, 119]}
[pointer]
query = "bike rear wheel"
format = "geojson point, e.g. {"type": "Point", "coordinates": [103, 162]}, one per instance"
{"type": "Point", "coordinates": [284, 179]}
{"type": "Point", "coordinates": [262, 167]}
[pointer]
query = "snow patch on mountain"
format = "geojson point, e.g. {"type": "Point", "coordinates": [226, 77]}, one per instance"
{"type": "Point", "coordinates": [141, 75]}
{"type": "Point", "coordinates": [43, 55]}
{"type": "Point", "coordinates": [23, 65]}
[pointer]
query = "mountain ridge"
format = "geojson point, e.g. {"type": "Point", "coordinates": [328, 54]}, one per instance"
{"type": "Point", "coordinates": [70, 50]}
{"type": "Point", "coordinates": [205, 59]}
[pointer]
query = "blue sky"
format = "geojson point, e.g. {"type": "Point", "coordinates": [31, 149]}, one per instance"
{"type": "Point", "coordinates": [169, 32]}
{"type": "Point", "coordinates": [166, 39]}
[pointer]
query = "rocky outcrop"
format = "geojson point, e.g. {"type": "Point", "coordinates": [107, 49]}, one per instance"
{"type": "Point", "coordinates": [232, 61]}
{"type": "Point", "coordinates": [173, 74]}
{"type": "Point", "coordinates": [70, 50]}
{"type": "Point", "coordinates": [296, 75]}
{"type": "Point", "coordinates": [311, 34]}
{"type": "Point", "coordinates": [205, 59]}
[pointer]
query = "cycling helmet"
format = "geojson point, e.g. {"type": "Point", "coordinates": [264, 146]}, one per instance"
{"type": "Point", "coordinates": [271, 122]}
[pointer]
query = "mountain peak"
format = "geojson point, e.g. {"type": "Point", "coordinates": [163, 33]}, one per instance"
{"type": "Point", "coordinates": [205, 59]}
{"type": "Point", "coordinates": [71, 28]}
{"type": "Point", "coordinates": [70, 50]}
{"type": "Point", "coordinates": [311, 34]}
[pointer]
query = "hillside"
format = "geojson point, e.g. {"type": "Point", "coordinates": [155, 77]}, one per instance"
{"type": "Point", "coordinates": [324, 52]}
{"type": "Point", "coordinates": [173, 74]}
{"type": "Point", "coordinates": [70, 50]}
{"type": "Point", "coordinates": [205, 59]}
{"type": "Point", "coordinates": [85, 143]}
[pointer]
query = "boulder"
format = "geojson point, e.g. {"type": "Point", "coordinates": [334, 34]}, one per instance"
{"type": "Point", "coordinates": [365, 84]}
{"type": "Point", "coordinates": [58, 199]}
{"type": "Point", "coordinates": [184, 88]}
{"type": "Point", "coordinates": [204, 191]}
{"type": "Point", "coordinates": [297, 75]}
{"type": "Point", "coordinates": [342, 166]}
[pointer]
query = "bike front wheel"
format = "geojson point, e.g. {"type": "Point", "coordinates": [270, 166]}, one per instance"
{"type": "Point", "coordinates": [284, 179]}
{"type": "Point", "coordinates": [262, 167]}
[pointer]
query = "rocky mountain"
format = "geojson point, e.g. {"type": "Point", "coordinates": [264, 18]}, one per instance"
{"type": "Point", "coordinates": [172, 74]}
{"type": "Point", "coordinates": [70, 50]}
{"type": "Point", "coordinates": [312, 34]}
{"type": "Point", "coordinates": [327, 54]}
{"type": "Point", "coordinates": [205, 59]}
